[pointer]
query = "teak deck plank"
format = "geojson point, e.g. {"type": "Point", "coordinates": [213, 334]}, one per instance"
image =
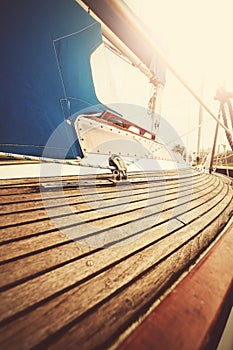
{"type": "Point", "coordinates": [87, 217]}
{"type": "Point", "coordinates": [75, 195]}
{"type": "Point", "coordinates": [137, 200]}
{"type": "Point", "coordinates": [27, 204]}
{"type": "Point", "coordinates": [200, 307]}
{"type": "Point", "coordinates": [90, 294]}
{"type": "Point", "coordinates": [56, 238]}
{"type": "Point", "coordinates": [115, 312]}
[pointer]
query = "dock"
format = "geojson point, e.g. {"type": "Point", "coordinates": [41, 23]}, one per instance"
{"type": "Point", "coordinates": [85, 260]}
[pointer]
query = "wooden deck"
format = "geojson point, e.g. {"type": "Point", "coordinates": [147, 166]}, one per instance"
{"type": "Point", "coordinates": [80, 265]}
{"type": "Point", "coordinates": [194, 314]}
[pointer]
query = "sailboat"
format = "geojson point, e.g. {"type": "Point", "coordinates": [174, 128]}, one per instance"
{"type": "Point", "coordinates": [92, 259]}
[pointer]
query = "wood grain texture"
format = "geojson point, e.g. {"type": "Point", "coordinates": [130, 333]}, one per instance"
{"type": "Point", "coordinates": [203, 300]}
{"type": "Point", "coordinates": [78, 265]}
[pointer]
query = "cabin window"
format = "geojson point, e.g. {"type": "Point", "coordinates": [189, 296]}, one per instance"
{"type": "Point", "coordinates": [148, 135]}
{"type": "Point", "coordinates": [134, 129]}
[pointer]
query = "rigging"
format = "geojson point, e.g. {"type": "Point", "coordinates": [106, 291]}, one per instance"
{"type": "Point", "coordinates": [226, 111]}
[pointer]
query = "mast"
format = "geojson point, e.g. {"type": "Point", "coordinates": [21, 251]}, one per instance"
{"type": "Point", "coordinates": [200, 120]}
{"type": "Point", "coordinates": [214, 144]}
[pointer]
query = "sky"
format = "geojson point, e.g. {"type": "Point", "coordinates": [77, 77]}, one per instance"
{"type": "Point", "coordinates": [197, 36]}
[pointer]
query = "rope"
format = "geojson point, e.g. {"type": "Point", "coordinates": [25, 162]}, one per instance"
{"type": "Point", "coordinates": [31, 145]}
{"type": "Point", "coordinates": [231, 113]}
{"type": "Point", "coordinates": [52, 160]}
{"type": "Point", "coordinates": [224, 97]}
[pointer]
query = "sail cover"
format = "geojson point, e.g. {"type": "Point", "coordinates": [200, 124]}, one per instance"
{"type": "Point", "coordinates": [129, 32]}
{"type": "Point", "coordinates": [45, 74]}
